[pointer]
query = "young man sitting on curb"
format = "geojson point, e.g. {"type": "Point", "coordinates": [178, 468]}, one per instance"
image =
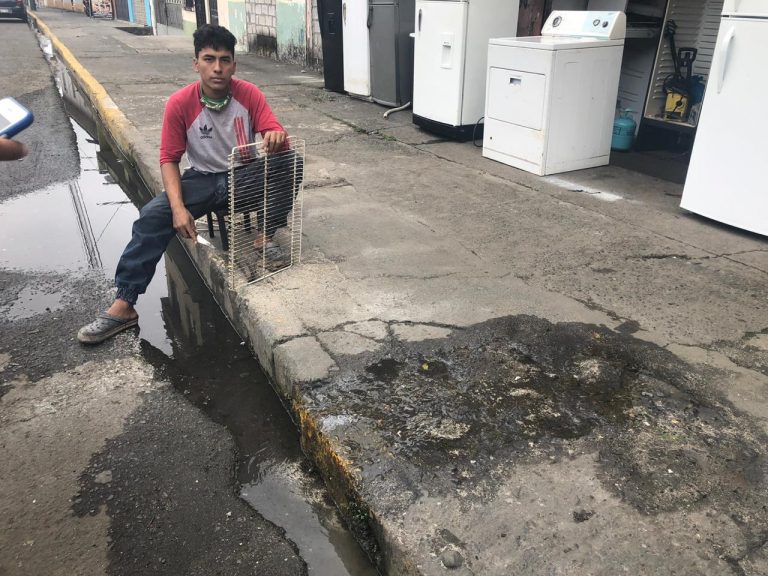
{"type": "Point", "coordinates": [206, 120]}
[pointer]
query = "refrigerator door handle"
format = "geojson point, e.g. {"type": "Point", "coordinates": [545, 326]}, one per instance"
{"type": "Point", "coordinates": [419, 20]}
{"type": "Point", "coordinates": [724, 51]}
{"type": "Point", "coordinates": [370, 17]}
{"type": "Point", "coordinates": [344, 14]}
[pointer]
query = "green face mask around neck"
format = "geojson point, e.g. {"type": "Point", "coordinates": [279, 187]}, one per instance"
{"type": "Point", "coordinates": [213, 103]}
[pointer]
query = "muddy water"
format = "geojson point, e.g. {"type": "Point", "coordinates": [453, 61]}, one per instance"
{"type": "Point", "coordinates": [184, 335]}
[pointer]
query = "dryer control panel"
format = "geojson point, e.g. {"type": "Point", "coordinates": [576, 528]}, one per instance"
{"type": "Point", "coordinates": [606, 25]}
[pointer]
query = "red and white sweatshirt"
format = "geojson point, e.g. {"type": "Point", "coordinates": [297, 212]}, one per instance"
{"type": "Point", "coordinates": [208, 136]}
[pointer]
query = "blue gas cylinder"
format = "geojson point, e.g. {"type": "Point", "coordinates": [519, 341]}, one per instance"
{"type": "Point", "coordinates": [623, 131]}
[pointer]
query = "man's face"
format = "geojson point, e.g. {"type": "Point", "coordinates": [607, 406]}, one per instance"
{"type": "Point", "coordinates": [216, 68]}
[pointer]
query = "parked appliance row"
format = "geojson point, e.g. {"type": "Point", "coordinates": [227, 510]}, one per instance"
{"type": "Point", "coordinates": [428, 52]}
{"type": "Point", "coordinates": [548, 102]}
{"type": "Point", "coordinates": [367, 48]}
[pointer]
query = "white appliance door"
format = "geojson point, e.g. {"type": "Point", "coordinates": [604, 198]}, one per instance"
{"type": "Point", "coordinates": [726, 177]}
{"type": "Point", "coordinates": [755, 8]}
{"type": "Point", "coordinates": [516, 97]}
{"type": "Point", "coordinates": [439, 60]}
{"type": "Point", "coordinates": [357, 56]}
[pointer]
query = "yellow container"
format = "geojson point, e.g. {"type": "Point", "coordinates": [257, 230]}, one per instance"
{"type": "Point", "coordinates": [676, 107]}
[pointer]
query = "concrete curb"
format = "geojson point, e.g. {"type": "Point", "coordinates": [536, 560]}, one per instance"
{"type": "Point", "coordinates": [287, 353]}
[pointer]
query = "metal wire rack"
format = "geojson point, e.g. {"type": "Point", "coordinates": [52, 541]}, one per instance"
{"type": "Point", "coordinates": [265, 210]}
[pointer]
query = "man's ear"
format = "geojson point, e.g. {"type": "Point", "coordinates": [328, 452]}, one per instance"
{"type": "Point", "coordinates": [234, 66]}
{"type": "Point", "coordinates": [194, 64]}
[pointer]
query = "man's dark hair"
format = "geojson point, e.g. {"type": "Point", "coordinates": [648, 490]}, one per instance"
{"type": "Point", "coordinates": [214, 36]}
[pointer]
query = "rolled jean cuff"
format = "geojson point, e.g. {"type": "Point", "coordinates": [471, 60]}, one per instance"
{"type": "Point", "coordinates": [130, 295]}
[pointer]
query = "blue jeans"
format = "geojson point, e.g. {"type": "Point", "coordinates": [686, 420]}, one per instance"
{"type": "Point", "coordinates": [202, 193]}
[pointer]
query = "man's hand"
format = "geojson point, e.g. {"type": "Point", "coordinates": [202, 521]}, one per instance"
{"type": "Point", "coordinates": [273, 141]}
{"type": "Point", "coordinates": [184, 224]}
{"type": "Point", "coordinates": [12, 150]}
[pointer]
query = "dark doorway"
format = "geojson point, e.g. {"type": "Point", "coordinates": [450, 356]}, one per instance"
{"type": "Point", "coordinates": [168, 13]}
{"type": "Point", "coordinates": [121, 10]}
{"type": "Point", "coordinates": [200, 12]}
{"type": "Point", "coordinates": [214, 11]}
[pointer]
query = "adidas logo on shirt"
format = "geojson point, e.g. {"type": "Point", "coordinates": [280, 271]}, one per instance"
{"type": "Point", "coordinates": [205, 132]}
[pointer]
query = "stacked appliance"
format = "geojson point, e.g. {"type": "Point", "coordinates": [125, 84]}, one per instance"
{"type": "Point", "coordinates": [726, 176]}
{"type": "Point", "coordinates": [551, 99]}
{"type": "Point", "coordinates": [450, 51]}
{"type": "Point", "coordinates": [390, 24]}
{"type": "Point", "coordinates": [357, 58]}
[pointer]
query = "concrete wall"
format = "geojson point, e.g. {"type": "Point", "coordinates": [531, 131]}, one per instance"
{"type": "Point", "coordinates": [315, 47]}
{"type": "Point", "coordinates": [278, 29]}
{"type": "Point", "coordinates": [71, 5]}
{"type": "Point", "coordinates": [139, 12]}
{"type": "Point", "coordinates": [292, 30]}
{"type": "Point", "coordinates": [238, 24]}
{"type": "Point", "coordinates": [261, 26]}
{"type": "Point", "coordinates": [273, 28]}
{"type": "Point", "coordinates": [189, 21]}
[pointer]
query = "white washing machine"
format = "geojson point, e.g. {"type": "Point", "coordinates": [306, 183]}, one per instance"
{"type": "Point", "coordinates": [551, 99]}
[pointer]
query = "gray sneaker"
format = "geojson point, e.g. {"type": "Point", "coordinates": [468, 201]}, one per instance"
{"type": "Point", "coordinates": [104, 327]}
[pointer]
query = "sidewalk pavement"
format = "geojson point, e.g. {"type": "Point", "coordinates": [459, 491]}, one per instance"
{"type": "Point", "coordinates": [497, 373]}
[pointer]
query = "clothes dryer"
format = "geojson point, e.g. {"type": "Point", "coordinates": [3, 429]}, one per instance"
{"type": "Point", "coordinates": [551, 99]}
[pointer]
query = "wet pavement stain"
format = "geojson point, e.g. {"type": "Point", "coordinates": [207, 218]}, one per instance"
{"type": "Point", "coordinates": [157, 491]}
{"type": "Point", "coordinates": [750, 352]}
{"type": "Point", "coordinates": [521, 389]}
{"type": "Point", "coordinates": [385, 370]}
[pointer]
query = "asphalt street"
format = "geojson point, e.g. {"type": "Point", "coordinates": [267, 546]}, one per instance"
{"type": "Point", "coordinates": [121, 459]}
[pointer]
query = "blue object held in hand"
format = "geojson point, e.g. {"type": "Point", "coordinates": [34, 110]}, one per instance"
{"type": "Point", "coordinates": [13, 117]}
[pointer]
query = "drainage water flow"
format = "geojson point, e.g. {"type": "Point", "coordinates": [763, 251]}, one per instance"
{"type": "Point", "coordinates": [184, 335]}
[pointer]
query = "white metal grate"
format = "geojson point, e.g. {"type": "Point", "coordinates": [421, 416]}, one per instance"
{"type": "Point", "coordinates": [265, 211]}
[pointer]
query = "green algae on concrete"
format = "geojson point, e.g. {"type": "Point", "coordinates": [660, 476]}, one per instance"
{"type": "Point", "coordinates": [237, 24]}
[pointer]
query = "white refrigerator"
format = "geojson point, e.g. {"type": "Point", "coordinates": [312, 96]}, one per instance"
{"type": "Point", "coordinates": [727, 176]}
{"type": "Point", "coordinates": [357, 51]}
{"type": "Point", "coordinates": [450, 55]}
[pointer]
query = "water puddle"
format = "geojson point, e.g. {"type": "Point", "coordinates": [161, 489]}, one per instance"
{"type": "Point", "coordinates": [211, 367]}
{"type": "Point", "coordinates": [184, 335]}
{"type": "Point", "coordinates": [83, 226]}
{"type": "Point", "coordinates": [84, 222]}
{"type": "Point", "coordinates": [283, 496]}
{"type": "Point", "coordinates": [32, 300]}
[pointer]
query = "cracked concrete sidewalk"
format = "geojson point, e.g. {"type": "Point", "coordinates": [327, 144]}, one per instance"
{"type": "Point", "coordinates": [409, 239]}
